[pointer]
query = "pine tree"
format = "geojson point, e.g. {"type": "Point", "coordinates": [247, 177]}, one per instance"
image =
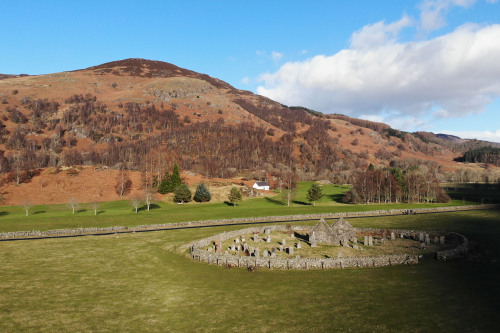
{"type": "Point", "coordinates": [202, 193]}
{"type": "Point", "coordinates": [164, 186]}
{"type": "Point", "coordinates": [182, 193]}
{"type": "Point", "coordinates": [175, 178]}
{"type": "Point", "coordinates": [314, 193]}
{"type": "Point", "coordinates": [170, 181]}
{"type": "Point", "coordinates": [234, 195]}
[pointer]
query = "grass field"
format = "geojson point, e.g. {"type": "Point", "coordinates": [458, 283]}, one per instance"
{"type": "Point", "coordinates": [117, 213]}
{"type": "Point", "coordinates": [479, 192]}
{"type": "Point", "coordinates": [140, 283]}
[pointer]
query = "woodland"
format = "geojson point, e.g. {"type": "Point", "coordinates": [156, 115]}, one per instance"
{"type": "Point", "coordinates": [267, 141]}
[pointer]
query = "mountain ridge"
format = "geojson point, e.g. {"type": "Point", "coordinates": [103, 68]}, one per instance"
{"type": "Point", "coordinates": [147, 115]}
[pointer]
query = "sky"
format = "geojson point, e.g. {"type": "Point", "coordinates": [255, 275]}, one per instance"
{"type": "Point", "coordinates": [428, 65]}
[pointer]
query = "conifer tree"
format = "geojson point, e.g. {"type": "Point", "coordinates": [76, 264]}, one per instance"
{"type": "Point", "coordinates": [202, 193]}
{"type": "Point", "coordinates": [164, 186]}
{"type": "Point", "coordinates": [175, 178]}
{"type": "Point", "coordinates": [234, 195]}
{"type": "Point", "coordinates": [170, 181]}
{"type": "Point", "coordinates": [314, 193]}
{"type": "Point", "coordinates": [182, 193]}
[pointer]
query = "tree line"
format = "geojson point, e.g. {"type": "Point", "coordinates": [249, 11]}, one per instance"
{"type": "Point", "coordinates": [487, 154]}
{"type": "Point", "coordinates": [394, 185]}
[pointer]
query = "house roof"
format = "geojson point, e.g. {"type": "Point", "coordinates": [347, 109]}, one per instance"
{"type": "Point", "coordinates": [262, 183]}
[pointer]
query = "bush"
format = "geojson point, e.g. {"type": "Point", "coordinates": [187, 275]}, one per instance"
{"type": "Point", "coordinates": [442, 197]}
{"type": "Point", "coordinates": [182, 194]}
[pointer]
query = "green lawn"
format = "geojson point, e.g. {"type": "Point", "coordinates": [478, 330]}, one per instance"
{"type": "Point", "coordinates": [140, 283]}
{"type": "Point", "coordinates": [44, 217]}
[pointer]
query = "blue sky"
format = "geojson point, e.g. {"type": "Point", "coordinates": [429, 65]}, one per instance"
{"type": "Point", "coordinates": [417, 65]}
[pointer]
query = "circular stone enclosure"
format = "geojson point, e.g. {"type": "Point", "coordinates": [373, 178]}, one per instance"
{"type": "Point", "coordinates": [299, 247]}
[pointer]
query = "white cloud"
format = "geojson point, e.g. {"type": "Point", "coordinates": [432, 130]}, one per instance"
{"type": "Point", "coordinates": [406, 123]}
{"type": "Point", "coordinates": [245, 80]}
{"type": "Point", "coordinates": [449, 76]}
{"type": "Point", "coordinates": [374, 35]}
{"type": "Point", "coordinates": [480, 135]}
{"type": "Point", "coordinates": [433, 12]}
{"type": "Point", "coordinates": [276, 55]}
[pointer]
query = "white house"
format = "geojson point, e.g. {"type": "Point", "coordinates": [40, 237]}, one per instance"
{"type": "Point", "coordinates": [261, 186]}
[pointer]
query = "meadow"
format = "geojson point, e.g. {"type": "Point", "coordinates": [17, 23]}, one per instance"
{"type": "Point", "coordinates": [120, 213]}
{"type": "Point", "coordinates": [143, 282]}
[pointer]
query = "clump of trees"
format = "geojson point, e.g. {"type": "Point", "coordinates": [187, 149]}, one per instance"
{"type": "Point", "coordinates": [396, 185]}
{"type": "Point", "coordinates": [170, 181]}
{"type": "Point", "coordinates": [482, 155]}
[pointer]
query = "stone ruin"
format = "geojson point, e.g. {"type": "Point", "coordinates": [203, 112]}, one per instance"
{"type": "Point", "coordinates": [339, 232]}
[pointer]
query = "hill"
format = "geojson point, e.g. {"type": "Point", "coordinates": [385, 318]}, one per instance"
{"type": "Point", "coordinates": [146, 115]}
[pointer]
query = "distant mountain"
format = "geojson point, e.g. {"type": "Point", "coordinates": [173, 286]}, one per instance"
{"type": "Point", "coordinates": [448, 137]}
{"type": "Point", "coordinates": [10, 76]}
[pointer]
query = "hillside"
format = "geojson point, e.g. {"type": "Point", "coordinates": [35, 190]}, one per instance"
{"type": "Point", "coordinates": [146, 115]}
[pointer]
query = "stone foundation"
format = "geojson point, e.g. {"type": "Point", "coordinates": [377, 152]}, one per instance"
{"type": "Point", "coordinates": [302, 263]}
{"type": "Point", "coordinates": [198, 253]}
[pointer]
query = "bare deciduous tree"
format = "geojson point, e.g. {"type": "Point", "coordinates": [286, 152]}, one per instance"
{"type": "Point", "coordinates": [27, 205]}
{"type": "Point", "coordinates": [149, 198]}
{"type": "Point", "coordinates": [123, 182]}
{"type": "Point", "coordinates": [73, 204]}
{"type": "Point", "coordinates": [135, 202]}
{"type": "Point", "coordinates": [95, 206]}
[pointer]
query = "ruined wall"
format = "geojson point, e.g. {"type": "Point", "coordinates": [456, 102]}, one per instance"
{"type": "Point", "coordinates": [302, 263]}
{"type": "Point", "coordinates": [199, 253]}
{"type": "Point", "coordinates": [459, 252]}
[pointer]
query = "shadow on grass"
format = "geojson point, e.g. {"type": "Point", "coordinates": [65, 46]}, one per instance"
{"type": "Point", "coordinates": [299, 202]}
{"type": "Point", "coordinates": [145, 207]}
{"type": "Point", "coordinates": [39, 212]}
{"type": "Point", "coordinates": [335, 197]}
{"type": "Point", "coordinates": [304, 238]}
{"type": "Point", "coordinates": [230, 204]}
{"type": "Point", "coordinates": [100, 212]}
{"type": "Point", "coordinates": [4, 213]}
{"type": "Point", "coordinates": [274, 201]}
{"type": "Point", "coordinates": [83, 210]}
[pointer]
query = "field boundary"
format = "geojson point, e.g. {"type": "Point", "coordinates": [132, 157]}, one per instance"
{"type": "Point", "coordinates": [95, 231]}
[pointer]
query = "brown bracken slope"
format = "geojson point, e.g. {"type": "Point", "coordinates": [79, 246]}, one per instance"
{"type": "Point", "coordinates": [146, 115]}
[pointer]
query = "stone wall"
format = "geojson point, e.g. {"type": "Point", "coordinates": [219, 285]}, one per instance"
{"type": "Point", "coordinates": [302, 263]}
{"type": "Point", "coordinates": [199, 253]}
{"type": "Point", "coordinates": [118, 229]}
{"type": "Point", "coordinates": [459, 252]}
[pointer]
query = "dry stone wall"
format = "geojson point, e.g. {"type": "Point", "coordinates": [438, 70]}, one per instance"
{"type": "Point", "coordinates": [302, 263]}
{"type": "Point", "coordinates": [459, 252]}
{"type": "Point", "coordinates": [198, 253]}
{"type": "Point", "coordinates": [198, 250]}
{"type": "Point", "coordinates": [117, 229]}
